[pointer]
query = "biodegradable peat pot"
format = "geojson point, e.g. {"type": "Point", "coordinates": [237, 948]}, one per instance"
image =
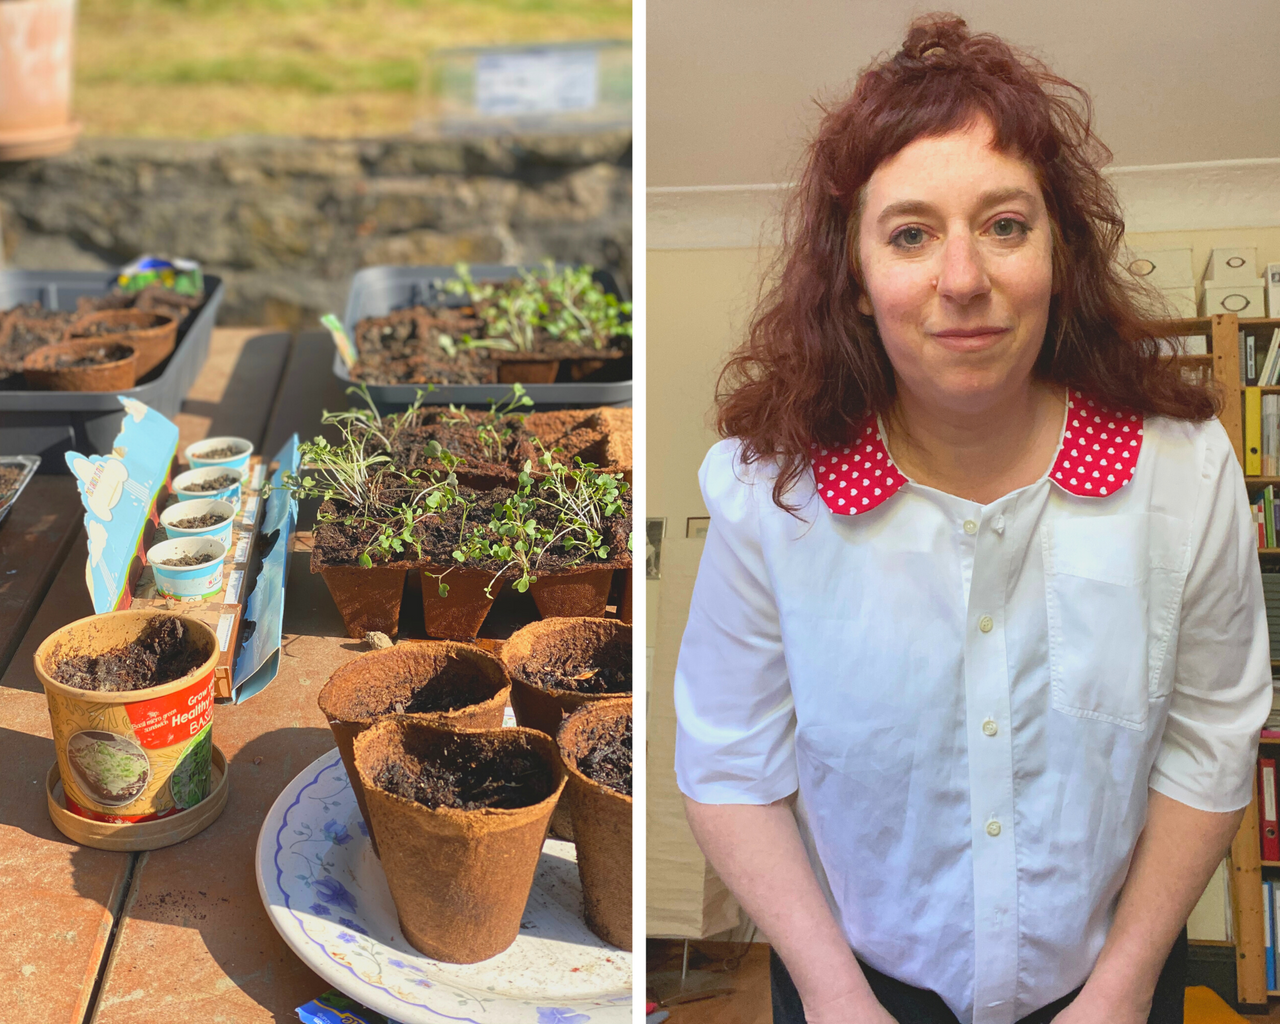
{"type": "Point", "coordinates": [152, 334]}
{"type": "Point", "coordinates": [527, 370]}
{"type": "Point", "coordinates": [577, 592]}
{"type": "Point", "coordinates": [459, 879]}
{"type": "Point", "coordinates": [367, 599]}
{"type": "Point", "coordinates": [413, 676]}
{"type": "Point", "coordinates": [601, 818]}
{"type": "Point", "coordinates": [72, 366]}
{"type": "Point", "coordinates": [133, 755]}
{"type": "Point", "coordinates": [460, 614]}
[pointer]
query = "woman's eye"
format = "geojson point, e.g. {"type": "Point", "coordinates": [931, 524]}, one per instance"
{"type": "Point", "coordinates": [909, 237]}
{"type": "Point", "coordinates": [1008, 227]}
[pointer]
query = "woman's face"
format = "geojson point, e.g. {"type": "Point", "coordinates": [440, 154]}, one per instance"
{"type": "Point", "coordinates": [954, 245]}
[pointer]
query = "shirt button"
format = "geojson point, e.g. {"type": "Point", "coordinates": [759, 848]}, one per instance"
{"type": "Point", "coordinates": [993, 828]}
{"type": "Point", "coordinates": [985, 623]}
{"type": "Point", "coordinates": [989, 728]}
{"type": "Point", "coordinates": [970, 527]}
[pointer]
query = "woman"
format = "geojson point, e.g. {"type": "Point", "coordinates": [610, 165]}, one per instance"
{"type": "Point", "coordinates": [977, 658]}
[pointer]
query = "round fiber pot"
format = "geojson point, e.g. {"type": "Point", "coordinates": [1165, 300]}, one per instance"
{"type": "Point", "coordinates": [82, 366]}
{"type": "Point", "coordinates": [420, 678]}
{"type": "Point", "coordinates": [227, 452]}
{"type": "Point", "coordinates": [152, 334]}
{"type": "Point", "coordinates": [568, 647]}
{"type": "Point", "coordinates": [198, 508]}
{"type": "Point", "coordinates": [132, 755]}
{"type": "Point", "coordinates": [459, 878]}
{"type": "Point", "coordinates": [601, 817]}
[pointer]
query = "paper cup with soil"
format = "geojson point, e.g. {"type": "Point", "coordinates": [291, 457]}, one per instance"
{"type": "Point", "coordinates": [188, 568]}
{"type": "Point", "coordinates": [461, 815]}
{"type": "Point", "coordinates": [595, 745]}
{"type": "Point", "coordinates": [204, 517]}
{"type": "Point", "coordinates": [210, 482]}
{"type": "Point", "coordinates": [223, 452]}
{"type": "Point", "coordinates": [449, 683]}
{"type": "Point", "coordinates": [131, 703]}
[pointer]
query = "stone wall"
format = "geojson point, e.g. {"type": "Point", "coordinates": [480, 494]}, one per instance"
{"type": "Point", "coordinates": [286, 222]}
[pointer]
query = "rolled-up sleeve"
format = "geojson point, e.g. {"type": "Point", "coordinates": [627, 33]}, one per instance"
{"type": "Point", "coordinates": [735, 718]}
{"type": "Point", "coordinates": [1222, 678]}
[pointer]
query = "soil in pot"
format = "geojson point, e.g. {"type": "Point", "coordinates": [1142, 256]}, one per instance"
{"type": "Point", "coordinates": [595, 744]}
{"type": "Point", "coordinates": [467, 906]}
{"type": "Point", "coordinates": [161, 653]}
{"type": "Point", "coordinates": [10, 477]}
{"type": "Point", "coordinates": [457, 684]}
{"type": "Point", "coordinates": [95, 356]}
{"type": "Point", "coordinates": [404, 348]}
{"type": "Point", "coordinates": [227, 451]}
{"type": "Point", "coordinates": [188, 560]}
{"type": "Point", "coordinates": [579, 667]}
{"type": "Point", "coordinates": [198, 523]}
{"type": "Point", "coordinates": [153, 335]}
{"type": "Point", "coordinates": [218, 483]}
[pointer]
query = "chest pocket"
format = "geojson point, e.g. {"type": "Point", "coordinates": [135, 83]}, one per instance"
{"type": "Point", "coordinates": [1113, 587]}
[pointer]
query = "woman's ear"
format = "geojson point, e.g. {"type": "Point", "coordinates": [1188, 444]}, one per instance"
{"type": "Point", "coordinates": [864, 305]}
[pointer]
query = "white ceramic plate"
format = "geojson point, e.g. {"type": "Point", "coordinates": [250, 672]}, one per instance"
{"type": "Point", "coordinates": [325, 892]}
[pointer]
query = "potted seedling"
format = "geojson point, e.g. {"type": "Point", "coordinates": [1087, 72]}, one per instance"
{"type": "Point", "coordinates": [474, 806]}
{"type": "Point", "coordinates": [448, 683]}
{"type": "Point", "coordinates": [595, 745]}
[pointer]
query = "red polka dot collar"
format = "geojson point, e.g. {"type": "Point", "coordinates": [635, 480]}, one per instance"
{"type": "Point", "coordinates": [1097, 457]}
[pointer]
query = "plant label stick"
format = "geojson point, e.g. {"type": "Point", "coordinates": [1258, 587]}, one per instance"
{"type": "Point", "coordinates": [340, 340]}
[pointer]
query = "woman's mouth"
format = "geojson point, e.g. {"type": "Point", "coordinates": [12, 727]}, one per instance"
{"type": "Point", "coordinates": [969, 339]}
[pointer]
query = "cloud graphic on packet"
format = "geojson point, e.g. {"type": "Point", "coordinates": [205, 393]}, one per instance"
{"type": "Point", "coordinates": [97, 541]}
{"type": "Point", "coordinates": [103, 484]}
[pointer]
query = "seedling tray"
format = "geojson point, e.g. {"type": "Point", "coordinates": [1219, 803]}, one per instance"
{"type": "Point", "coordinates": [224, 612]}
{"type": "Point", "coordinates": [51, 423]}
{"type": "Point", "coordinates": [377, 291]}
{"type": "Point", "coordinates": [29, 464]}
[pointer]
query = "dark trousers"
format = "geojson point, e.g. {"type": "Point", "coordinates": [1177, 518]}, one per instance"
{"type": "Point", "coordinates": [920, 1006]}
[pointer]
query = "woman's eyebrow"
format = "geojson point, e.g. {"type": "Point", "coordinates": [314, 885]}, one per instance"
{"type": "Point", "coordinates": [919, 207]}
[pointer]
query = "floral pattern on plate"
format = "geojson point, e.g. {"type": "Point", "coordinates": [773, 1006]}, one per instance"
{"type": "Point", "coordinates": [325, 892]}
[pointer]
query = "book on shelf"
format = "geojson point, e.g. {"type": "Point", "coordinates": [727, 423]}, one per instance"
{"type": "Point", "coordinates": [1268, 932]}
{"type": "Point", "coordinates": [1210, 921]}
{"type": "Point", "coordinates": [1269, 827]}
{"type": "Point", "coordinates": [1252, 432]}
{"type": "Point", "coordinates": [1270, 372]}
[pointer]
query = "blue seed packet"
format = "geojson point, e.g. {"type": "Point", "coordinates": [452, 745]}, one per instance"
{"type": "Point", "coordinates": [335, 1008]}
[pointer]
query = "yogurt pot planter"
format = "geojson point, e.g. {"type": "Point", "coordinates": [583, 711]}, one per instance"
{"type": "Point", "coordinates": [451, 684]}
{"type": "Point", "coordinates": [462, 611]}
{"type": "Point", "coordinates": [480, 831]}
{"type": "Point", "coordinates": [583, 591]}
{"type": "Point", "coordinates": [131, 755]}
{"type": "Point", "coordinates": [154, 335]}
{"type": "Point", "coordinates": [82, 366]}
{"type": "Point", "coordinates": [209, 482]}
{"type": "Point", "coordinates": [595, 745]}
{"type": "Point", "coordinates": [225, 452]}
{"type": "Point", "coordinates": [188, 568]}
{"type": "Point", "coordinates": [200, 510]}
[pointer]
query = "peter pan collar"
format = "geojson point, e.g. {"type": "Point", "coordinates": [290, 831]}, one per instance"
{"type": "Point", "coordinates": [1097, 456]}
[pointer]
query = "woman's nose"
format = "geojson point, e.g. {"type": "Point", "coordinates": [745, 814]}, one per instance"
{"type": "Point", "coordinates": [963, 275]}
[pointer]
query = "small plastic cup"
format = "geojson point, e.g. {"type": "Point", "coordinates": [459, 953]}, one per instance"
{"type": "Point", "coordinates": [195, 508]}
{"type": "Point", "coordinates": [189, 582]}
{"type": "Point", "coordinates": [244, 450]}
{"type": "Point", "coordinates": [183, 481]}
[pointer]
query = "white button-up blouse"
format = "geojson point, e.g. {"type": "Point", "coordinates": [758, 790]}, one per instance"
{"type": "Point", "coordinates": [972, 700]}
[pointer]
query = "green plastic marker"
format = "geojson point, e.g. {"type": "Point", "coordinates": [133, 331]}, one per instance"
{"type": "Point", "coordinates": [340, 340]}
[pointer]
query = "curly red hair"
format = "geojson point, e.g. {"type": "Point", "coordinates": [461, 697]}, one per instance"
{"type": "Point", "coordinates": [812, 366]}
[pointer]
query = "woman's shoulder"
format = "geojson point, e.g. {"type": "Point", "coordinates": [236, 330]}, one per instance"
{"type": "Point", "coordinates": [1188, 456]}
{"type": "Point", "coordinates": [729, 475]}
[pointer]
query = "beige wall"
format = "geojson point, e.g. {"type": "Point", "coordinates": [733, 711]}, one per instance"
{"type": "Point", "coordinates": [698, 303]}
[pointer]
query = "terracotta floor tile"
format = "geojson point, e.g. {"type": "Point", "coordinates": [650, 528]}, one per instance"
{"type": "Point", "coordinates": [55, 897]}
{"type": "Point", "coordinates": [195, 942]}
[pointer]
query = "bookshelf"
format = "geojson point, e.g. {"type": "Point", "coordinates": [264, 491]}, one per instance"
{"type": "Point", "coordinates": [1245, 860]}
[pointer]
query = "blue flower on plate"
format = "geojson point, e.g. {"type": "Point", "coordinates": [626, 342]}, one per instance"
{"type": "Point", "coordinates": [347, 937]}
{"type": "Point", "coordinates": [352, 925]}
{"type": "Point", "coordinates": [320, 910]}
{"type": "Point", "coordinates": [397, 963]}
{"type": "Point", "coordinates": [334, 892]}
{"type": "Point", "coordinates": [560, 1015]}
{"type": "Point", "coordinates": [335, 833]}
{"type": "Point", "coordinates": [364, 829]}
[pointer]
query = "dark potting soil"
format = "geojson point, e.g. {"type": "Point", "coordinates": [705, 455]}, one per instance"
{"type": "Point", "coordinates": [340, 544]}
{"type": "Point", "coordinates": [575, 677]}
{"type": "Point", "coordinates": [217, 483]}
{"type": "Point", "coordinates": [227, 451]}
{"type": "Point", "coordinates": [186, 561]}
{"type": "Point", "coordinates": [404, 348]}
{"type": "Point", "coordinates": [470, 774]}
{"type": "Point", "coordinates": [96, 357]}
{"type": "Point", "coordinates": [608, 759]}
{"type": "Point", "coordinates": [10, 477]}
{"type": "Point", "coordinates": [161, 654]}
{"type": "Point", "coordinates": [200, 522]}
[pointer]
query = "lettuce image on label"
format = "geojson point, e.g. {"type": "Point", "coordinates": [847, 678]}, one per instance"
{"type": "Point", "coordinates": [111, 769]}
{"type": "Point", "coordinates": [191, 776]}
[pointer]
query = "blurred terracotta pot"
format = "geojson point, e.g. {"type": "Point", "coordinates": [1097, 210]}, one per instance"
{"type": "Point", "coordinates": [36, 41]}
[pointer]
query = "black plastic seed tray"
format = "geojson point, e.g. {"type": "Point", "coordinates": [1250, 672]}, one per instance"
{"type": "Point", "coordinates": [376, 291]}
{"type": "Point", "coordinates": [50, 423]}
{"type": "Point", "coordinates": [28, 464]}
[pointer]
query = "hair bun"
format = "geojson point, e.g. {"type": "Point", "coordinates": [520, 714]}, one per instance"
{"type": "Point", "coordinates": [932, 35]}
